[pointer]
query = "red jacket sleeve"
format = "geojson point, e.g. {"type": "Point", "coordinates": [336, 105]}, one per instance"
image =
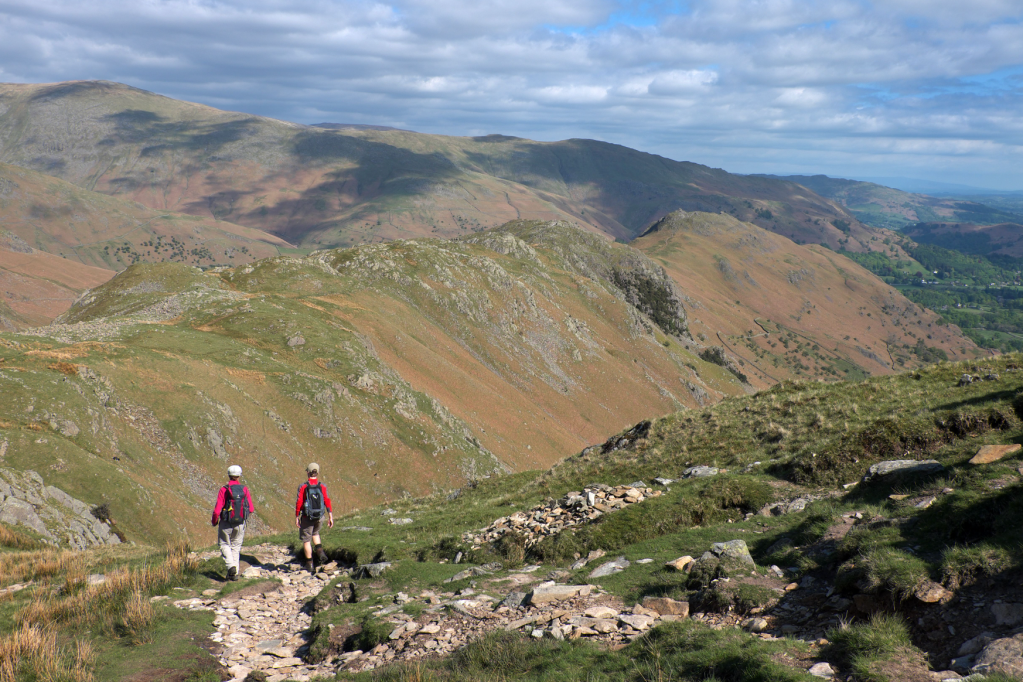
{"type": "Point", "coordinates": [248, 497]}
{"type": "Point", "coordinates": [221, 498]}
{"type": "Point", "coordinates": [326, 498]}
{"type": "Point", "coordinates": [301, 499]}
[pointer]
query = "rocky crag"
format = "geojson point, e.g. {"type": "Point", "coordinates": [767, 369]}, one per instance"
{"type": "Point", "coordinates": [49, 512]}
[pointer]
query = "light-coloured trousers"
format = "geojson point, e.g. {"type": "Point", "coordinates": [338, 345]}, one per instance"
{"type": "Point", "coordinates": [230, 543]}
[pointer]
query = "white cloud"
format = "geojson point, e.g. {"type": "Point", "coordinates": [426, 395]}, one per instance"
{"type": "Point", "coordinates": [737, 83]}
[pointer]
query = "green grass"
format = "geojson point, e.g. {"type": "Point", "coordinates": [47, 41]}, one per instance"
{"type": "Point", "coordinates": [683, 651]}
{"type": "Point", "coordinates": [865, 648]}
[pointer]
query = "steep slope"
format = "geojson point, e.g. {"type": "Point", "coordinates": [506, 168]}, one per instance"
{"type": "Point", "coordinates": [35, 286]}
{"type": "Point", "coordinates": [333, 187]}
{"type": "Point", "coordinates": [882, 206]}
{"type": "Point", "coordinates": [791, 311]}
{"type": "Point", "coordinates": [402, 368]}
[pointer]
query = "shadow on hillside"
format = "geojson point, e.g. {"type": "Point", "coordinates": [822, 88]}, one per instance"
{"type": "Point", "coordinates": [1006, 395]}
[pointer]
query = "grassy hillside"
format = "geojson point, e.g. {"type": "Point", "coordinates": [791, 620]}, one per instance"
{"type": "Point", "coordinates": [93, 229]}
{"type": "Point", "coordinates": [790, 311]}
{"type": "Point", "coordinates": [881, 206]}
{"type": "Point", "coordinates": [57, 239]}
{"type": "Point", "coordinates": [867, 578]}
{"type": "Point", "coordinates": [865, 551]}
{"type": "Point", "coordinates": [321, 187]}
{"type": "Point", "coordinates": [402, 368]}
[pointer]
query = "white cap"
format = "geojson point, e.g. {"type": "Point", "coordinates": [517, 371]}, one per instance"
{"type": "Point", "coordinates": [234, 470]}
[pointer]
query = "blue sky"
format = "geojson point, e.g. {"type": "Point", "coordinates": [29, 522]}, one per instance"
{"type": "Point", "coordinates": [927, 89]}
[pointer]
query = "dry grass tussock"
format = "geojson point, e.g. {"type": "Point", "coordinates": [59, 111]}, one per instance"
{"type": "Point", "coordinates": [34, 565]}
{"type": "Point", "coordinates": [119, 604]}
{"type": "Point", "coordinates": [35, 652]}
{"type": "Point", "coordinates": [8, 538]}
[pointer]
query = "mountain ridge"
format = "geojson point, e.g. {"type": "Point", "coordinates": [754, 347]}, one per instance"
{"type": "Point", "coordinates": [339, 187]}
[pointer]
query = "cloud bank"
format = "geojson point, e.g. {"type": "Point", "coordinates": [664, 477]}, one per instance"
{"type": "Point", "coordinates": [921, 88]}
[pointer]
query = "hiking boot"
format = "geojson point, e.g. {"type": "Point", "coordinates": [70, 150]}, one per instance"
{"type": "Point", "coordinates": [308, 565]}
{"type": "Point", "coordinates": [232, 573]}
{"type": "Point", "coordinates": [321, 556]}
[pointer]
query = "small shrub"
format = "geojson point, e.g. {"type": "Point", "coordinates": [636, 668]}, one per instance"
{"type": "Point", "coordinates": [895, 571]}
{"type": "Point", "coordinates": [862, 647]}
{"type": "Point", "coordinates": [743, 494]}
{"type": "Point", "coordinates": [101, 512]}
{"type": "Point", "coordinates": [962, 565]}
{"type": "Point", "coordinates": [559, 548]}
{"type": "Point", "coordinates": [512, 548]}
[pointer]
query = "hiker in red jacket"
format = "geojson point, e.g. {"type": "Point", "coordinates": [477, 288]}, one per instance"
{"type": "Point", "coordinates": [310, 508]}
{"type": "Point", "coordinates": [234, 504]}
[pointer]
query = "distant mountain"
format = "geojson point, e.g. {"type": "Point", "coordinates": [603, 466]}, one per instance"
{"type": "Point", "coordinates": [1004, 239]}
{"type": "Point", "coordinates": [57, 239]}
{"type": "Point", "coordinates": [932, 187]}
{"type": "Point", "coordinates": [356, 126]}
{"type": "Point", "coordinates": [885, 207]}
{"type": "Point", "coordinates": [319, 187]}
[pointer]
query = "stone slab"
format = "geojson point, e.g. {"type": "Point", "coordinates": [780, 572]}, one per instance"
{"type": "Point", "coordinates": [993, 453]}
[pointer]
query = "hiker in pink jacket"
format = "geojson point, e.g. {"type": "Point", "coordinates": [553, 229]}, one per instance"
{"type": "Point", "coordinates": [234, 504]}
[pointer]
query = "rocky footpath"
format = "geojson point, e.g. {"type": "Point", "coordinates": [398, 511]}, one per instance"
{"type": "Point", "coordinates": [60, 519]}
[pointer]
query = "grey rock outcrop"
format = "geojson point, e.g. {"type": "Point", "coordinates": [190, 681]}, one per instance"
{"type": "Point", "coordinates": [733, 549]}
{"type": "Point", "coordinates": [59, 518]}
{"type": "Point", "coordinates": [1001, 656]}
{"type": "Point", "coordinates": [902, 467]}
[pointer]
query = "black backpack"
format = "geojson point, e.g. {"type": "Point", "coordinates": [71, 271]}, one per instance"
{"type": "Point", "coordinates": [235, 509]}
{"type": "Point", "coordinates": [313, 507]}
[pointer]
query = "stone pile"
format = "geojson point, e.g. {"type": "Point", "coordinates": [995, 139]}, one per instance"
{"type": "Point", "coordinates": [554, 516]}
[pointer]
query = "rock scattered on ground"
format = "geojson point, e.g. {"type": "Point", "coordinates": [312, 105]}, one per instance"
{"type": "Point", "coordinates": [552, 517]}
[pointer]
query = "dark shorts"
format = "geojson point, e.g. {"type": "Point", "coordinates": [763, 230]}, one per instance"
{"type": "Point", "coordinates": [308, 528]}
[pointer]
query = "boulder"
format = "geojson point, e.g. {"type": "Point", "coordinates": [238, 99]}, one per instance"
{"type": "Point", "coordinates": [552, 593]}
{"type": "Point", "coordinates": [514, 600]}
{"type": "Point", "coordinates": [902, 467]}
{"type": "Point", "coordinates": [700, 472]}
{"type": "Point", "coordinates": [932, 593]}
{"type": "Point", "coordinates": [821, 670]}
{"type": "Point", "coordinates": [667, 607]}
{"type": "Point", "coordinates": [975, 645]}
{"type": "Point", "coordinates": [610, 568]}
{"type": "Point", "coordinates": [1001, 656]}
{"type": "Point", "coordinates": [1007, 614]}
{"type": "Point", "coordinates": [757, 625]}
{"type": "Point", "coordinates": [602, 612]}
{"type": "Point", "coordinates": [682, 564]}
{"type": "Point", "coordinates": [371, 570]}
{"type": "Point", "coordinates": [636, 622]}
{"type": "Point", "coordinates": [993, 453]}
{"type": "Point", "coordinates": [733, 549]}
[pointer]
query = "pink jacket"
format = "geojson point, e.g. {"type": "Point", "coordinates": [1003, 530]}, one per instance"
{"type": "Point", "coordinates": [222, 500]}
